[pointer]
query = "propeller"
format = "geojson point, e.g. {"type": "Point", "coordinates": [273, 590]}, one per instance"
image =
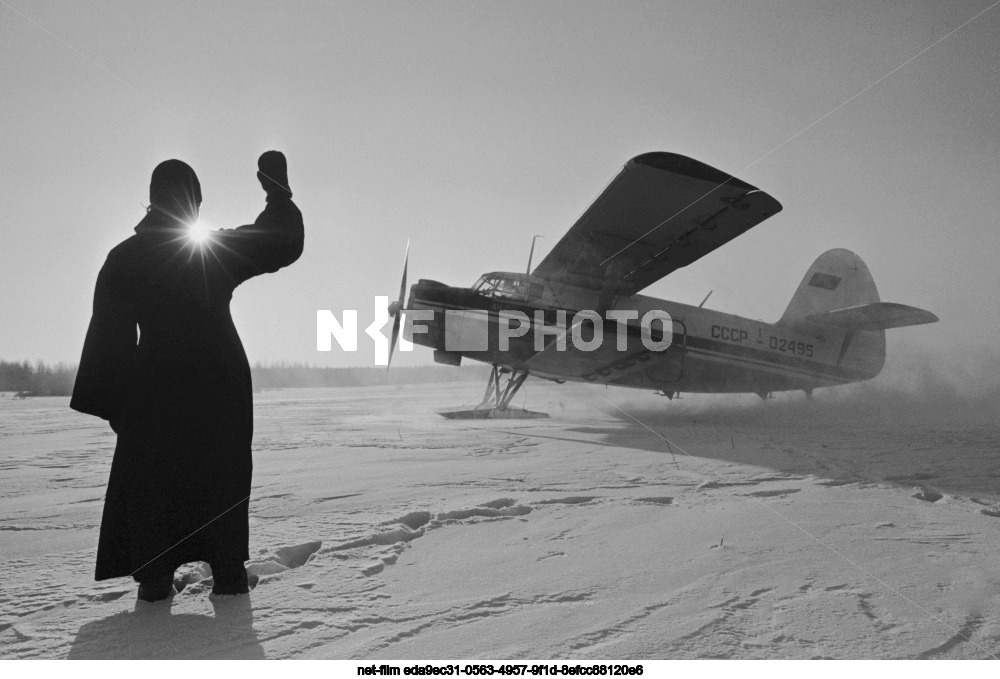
{"type": "Point", "coordinates": [395, 309]}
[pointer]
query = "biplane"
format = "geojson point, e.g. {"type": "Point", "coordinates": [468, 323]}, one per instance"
{"type": "Point", "coordinates": [662, 211]}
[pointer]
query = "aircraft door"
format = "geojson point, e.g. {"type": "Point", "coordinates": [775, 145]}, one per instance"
{"type": "Point", "coordinates": [667, 367]}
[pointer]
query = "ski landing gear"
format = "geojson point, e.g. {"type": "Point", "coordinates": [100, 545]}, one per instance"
{"type": "Point", "coordinates": [496, 400]}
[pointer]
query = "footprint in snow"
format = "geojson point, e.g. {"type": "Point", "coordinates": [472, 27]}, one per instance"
{"type": "Point", "coordinates": [285, 558]}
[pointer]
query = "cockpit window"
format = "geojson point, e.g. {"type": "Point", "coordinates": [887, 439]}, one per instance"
{"type": "Point", "coordinates": [485, 285]}
{"type": "Point", "coordinates": [510, 288]}
{"type": "Point", "coordinates": [500, 287]}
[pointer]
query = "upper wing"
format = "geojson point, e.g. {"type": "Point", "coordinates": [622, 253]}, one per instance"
{"type": "Point", "coordinates": [662, 212]}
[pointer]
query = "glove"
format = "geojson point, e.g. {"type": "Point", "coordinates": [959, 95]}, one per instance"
{"type": "Point", "coordinates": [272, 171]}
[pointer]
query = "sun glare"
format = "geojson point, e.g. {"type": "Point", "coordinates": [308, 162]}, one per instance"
{"type": "Point", "coordinates": [199, 232]}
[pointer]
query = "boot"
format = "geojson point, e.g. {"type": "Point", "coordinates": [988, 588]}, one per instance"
{"type": "Point", "coordinates": [230, 579]}
{"type": "Point", "coordinates": [156, 588]}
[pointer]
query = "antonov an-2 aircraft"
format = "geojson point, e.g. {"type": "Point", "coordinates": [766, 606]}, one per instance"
{"type": "Point", "coordinates": [661, 212]}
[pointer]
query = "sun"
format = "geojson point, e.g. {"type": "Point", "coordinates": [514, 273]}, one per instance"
{"type": "Point", "coordinates": [199, 232]}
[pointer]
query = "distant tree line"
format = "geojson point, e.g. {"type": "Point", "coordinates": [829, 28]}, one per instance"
{"type": "Point", "coordinates": [282, 375]}
{"type": "Point", "coordinates": [25, 379]}
{"type": "Point", "coordinates": [39, 379]}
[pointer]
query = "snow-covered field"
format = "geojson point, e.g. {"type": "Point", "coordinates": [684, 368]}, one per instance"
{"type": "Point", "coordinates": [862, 526]}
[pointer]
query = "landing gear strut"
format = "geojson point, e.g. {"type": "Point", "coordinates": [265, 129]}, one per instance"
{"type": "Point", "coordinates": [670, 394]}
{"type": "Point", "coordinates": [497, 398]}
{"type": "Point", "coordinates": [493, 394]}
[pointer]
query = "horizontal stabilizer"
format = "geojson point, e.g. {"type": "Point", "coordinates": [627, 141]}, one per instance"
{"type": "Point", "coordinates": [874, 316]}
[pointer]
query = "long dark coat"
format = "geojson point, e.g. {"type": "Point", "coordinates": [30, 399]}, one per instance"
{"type": "Point", "coordinates": [178, 390]}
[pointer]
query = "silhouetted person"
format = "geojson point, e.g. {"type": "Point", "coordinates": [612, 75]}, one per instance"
{"type": "Point", "coordinates": [163, 363]}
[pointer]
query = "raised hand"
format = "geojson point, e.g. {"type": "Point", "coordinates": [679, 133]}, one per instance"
{"type": "Point", "coordinates": [272, 171]}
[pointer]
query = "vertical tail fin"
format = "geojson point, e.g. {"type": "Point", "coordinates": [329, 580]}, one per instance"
{"type": "Point", "coordinates": [838, 279]}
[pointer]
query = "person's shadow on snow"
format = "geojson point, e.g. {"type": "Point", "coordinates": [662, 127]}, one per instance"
{"type": "Point", "coordinates": [151, 632]}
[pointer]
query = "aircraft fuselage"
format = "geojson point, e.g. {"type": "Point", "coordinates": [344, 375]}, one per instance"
{"type": "Point", "coordinates": [710, 351]}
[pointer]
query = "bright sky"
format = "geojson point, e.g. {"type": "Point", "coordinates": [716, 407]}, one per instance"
{"type": "Point", "coordinates": [468, 127]}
